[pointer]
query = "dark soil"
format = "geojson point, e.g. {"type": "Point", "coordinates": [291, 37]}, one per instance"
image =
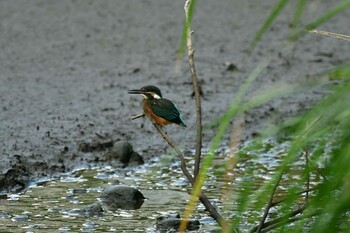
{"type": "Point", "coordinates": [66, 67]}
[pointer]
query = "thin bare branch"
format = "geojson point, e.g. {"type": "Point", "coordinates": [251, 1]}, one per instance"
{"type": "Point", "coordinates": [269, 204]}
{"type": "Point", "coordinates": [196, 89]}
{"type": "Point", "coordinates": [284, 199]}
{"type": "Point", "coordinates": [331, 34]}
{"type": "Point", "coordinates": [287, 218]}
{"type": "Point", "coordinates": [203, 198]}
{"type": "Point", "coordinates": [137, 116]}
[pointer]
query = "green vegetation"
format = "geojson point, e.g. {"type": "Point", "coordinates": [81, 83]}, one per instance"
{"type": "Point", "coordinates": [317, 156]}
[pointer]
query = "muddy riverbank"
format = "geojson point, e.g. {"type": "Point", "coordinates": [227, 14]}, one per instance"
{"type": "Point", "coordinates": [66, 67]}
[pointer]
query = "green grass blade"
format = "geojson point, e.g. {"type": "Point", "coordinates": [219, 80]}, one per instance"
{"type": "Point", "coordinates": [275, 12]}
{"type": "Point", "coordinates": [297, 15]}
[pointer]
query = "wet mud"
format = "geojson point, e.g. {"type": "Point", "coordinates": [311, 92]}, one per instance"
{"type": "Point", "coordinates": [66, 67]}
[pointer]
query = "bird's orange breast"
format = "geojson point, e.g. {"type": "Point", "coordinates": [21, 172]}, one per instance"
{"type": "Point", "coordinates": [152, 116]}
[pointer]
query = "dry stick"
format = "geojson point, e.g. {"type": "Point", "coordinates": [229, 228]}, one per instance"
{"type": "Point", "coordinates": [331, 34]}
{"type": "Point", "coordinates": [290, 220]}
{"type": "Point", "coordinates": [203, 198]}
{"type": "Point", "coordinates": [137, 116]}
{"type": "Point", "coordinates": [178, 151]}
{"type": "Point", "coordinates": [196, 91]}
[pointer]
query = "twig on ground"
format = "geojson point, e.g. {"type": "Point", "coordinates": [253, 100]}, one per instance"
{"type": "Point", "coordinates": [196, 89]}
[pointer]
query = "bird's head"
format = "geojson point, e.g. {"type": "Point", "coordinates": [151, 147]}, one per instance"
{"type": "Point", "coordinates": [148, 92]}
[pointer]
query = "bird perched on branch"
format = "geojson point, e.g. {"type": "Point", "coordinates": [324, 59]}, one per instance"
{"type": "Point", "coordinates": [158, 109]}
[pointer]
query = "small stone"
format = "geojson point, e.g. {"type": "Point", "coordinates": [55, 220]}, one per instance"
{"type": "Point", "coordinates": [122, 197]}
{"type": "Point", "coordinates": [231, 67]}
{"type": "Point", "coordinates": [122, 151]}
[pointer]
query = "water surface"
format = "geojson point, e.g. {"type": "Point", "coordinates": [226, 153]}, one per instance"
{"type": "Point", "coordinates": [50, 205]}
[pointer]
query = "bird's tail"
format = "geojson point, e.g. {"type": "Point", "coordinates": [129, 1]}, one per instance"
{"type": "Point", "coordinates": [182, 122]}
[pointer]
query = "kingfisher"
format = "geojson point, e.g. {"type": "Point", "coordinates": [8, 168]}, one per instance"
{"type": "Point", "coordinates": [158, 109]}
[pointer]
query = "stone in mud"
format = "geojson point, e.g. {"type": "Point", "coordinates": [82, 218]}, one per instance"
{"type": "Point", "coordinates": [15, 180]}
{"type": "Point", "coordinates": [122, 197]}
{"type": "Point", "coordinates": [171, 223]}
{"type": "Point", "coordinates": [124, 152]}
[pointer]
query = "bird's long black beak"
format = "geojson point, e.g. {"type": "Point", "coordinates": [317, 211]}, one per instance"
{"type": "Point", "coordinates": [135, 92]}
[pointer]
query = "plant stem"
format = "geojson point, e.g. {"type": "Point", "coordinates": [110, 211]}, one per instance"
{"type": "Point", "coordinates": [188, 11]}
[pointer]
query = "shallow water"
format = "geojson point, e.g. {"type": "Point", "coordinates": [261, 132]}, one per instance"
{"type": "Point", "coordinates": [48, 205]}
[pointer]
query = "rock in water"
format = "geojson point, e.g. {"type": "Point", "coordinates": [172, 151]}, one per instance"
{"type": "Point", "coordinates": [94, 209]}
{"type": "Point", "coordinates": [171, 223]}
{"type": "Point", "coordinates": [122, 197]}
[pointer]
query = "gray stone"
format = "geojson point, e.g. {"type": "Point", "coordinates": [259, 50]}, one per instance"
{"type": "Point", "coordinates": [122, 197]}
{"type": "Point", "coordinates": [136, 159]}
{"type": "Point", "coordinates": [121, 151]}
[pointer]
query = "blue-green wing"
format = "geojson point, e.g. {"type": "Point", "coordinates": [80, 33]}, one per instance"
{"type": "Point", "coordinates": [167, 110]}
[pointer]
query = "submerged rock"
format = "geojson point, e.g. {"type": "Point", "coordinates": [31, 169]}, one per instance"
{"type": "Point", "coordinates": [94, 209]}
{"type": "Point", "coordinates": [122, 197]}
{"type": "Point", "coordinates": [171, 223]}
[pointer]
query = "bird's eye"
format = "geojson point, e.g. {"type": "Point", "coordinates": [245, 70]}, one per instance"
{"type": "Point", "coordinates": [143, 89]}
